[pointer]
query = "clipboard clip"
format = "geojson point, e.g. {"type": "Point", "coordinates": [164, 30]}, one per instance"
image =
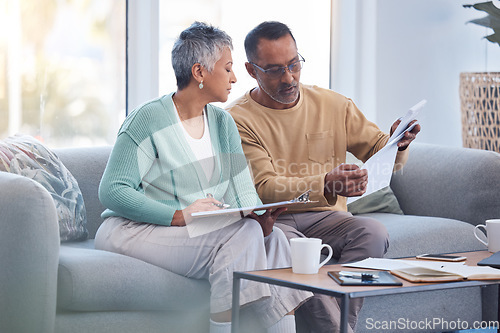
{"type": "Point", "coordinates": [304, 197]}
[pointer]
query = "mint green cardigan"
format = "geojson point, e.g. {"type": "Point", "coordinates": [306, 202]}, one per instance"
{"type": "Point", "coordinates": [152, 171]}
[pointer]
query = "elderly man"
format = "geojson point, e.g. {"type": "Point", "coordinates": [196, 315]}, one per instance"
{"type": "Point", "coordinates": [295, 137]}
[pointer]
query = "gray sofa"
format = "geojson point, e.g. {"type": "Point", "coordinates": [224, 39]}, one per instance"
{"type": "Point", "coordinates": [46, 286]}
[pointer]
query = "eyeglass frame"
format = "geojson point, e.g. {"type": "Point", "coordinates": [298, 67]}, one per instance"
{"type": "Point", "coordinates": [282, 68]}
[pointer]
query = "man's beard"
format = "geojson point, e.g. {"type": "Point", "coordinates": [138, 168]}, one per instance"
{"type": "Point", "coordinates": [276, 97]}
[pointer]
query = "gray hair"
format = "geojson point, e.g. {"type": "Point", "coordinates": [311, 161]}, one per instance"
{"type": "Point", "coordinates": [200, 43]}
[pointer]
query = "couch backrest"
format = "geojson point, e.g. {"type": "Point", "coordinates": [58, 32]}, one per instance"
{"type": "Point", "coordinates": [87, 166]}
{"type": "Point", "coordinates": [459, 183]}
{"type": "Point", "coordinates": [451, 182]}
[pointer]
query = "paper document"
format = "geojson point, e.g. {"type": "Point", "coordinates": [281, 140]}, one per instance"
{"type": "Point", "coordinates": [428, 271]}
{"type": "Point", "coordinates": [385, 264]}
{"type": "Point", "coordinates": [381, 165]}
{"type": "Point", "coordinates": [243, 211]}
{"type": "Point", "coordinates": [208, 221]}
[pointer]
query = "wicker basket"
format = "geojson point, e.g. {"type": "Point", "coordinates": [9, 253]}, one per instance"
{"type": "Point", "coordinates": [480, 104]}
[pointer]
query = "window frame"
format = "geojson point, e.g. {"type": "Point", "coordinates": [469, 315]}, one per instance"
{"type": "Point", "coordinates": [142, 54]}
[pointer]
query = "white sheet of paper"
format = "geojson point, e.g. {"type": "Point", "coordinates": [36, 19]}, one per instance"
{"type": "Point", "coordinates": [244, 211]}
{"type": "Point", "coordinates": [385, 264]}
{"type": "Point", "coordinates": [451, 268]}
{"type": "Point", "coordinates": [381, 165]}
{"type": "Point", "coordinates": [205, 222]}
{"type": "Point", "coordinates": [201, 226]}
{"type": "Point", "coordinates": [408, 118]}
{"type": "Point", "coordinates": [378, 263]}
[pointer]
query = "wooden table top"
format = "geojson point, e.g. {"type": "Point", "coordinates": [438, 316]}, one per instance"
{"type": "Point", "coordinates": [321, 281]}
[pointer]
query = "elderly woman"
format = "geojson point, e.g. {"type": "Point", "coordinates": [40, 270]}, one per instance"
{"type": "Point", "coordinates": [176, 155]}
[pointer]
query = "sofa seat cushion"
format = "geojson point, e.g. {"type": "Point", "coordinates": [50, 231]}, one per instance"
{"type": "Point", "coordinates": [94, 280]}
{"type": "Point", "coordinates": [412, 235]}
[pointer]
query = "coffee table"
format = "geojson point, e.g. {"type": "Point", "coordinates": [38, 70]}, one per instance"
{"type": "Point", "coordinates": [321, 283]}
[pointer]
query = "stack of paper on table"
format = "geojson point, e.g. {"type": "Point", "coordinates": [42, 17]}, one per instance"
{"type": "Point", "coordinates": [428, 271]}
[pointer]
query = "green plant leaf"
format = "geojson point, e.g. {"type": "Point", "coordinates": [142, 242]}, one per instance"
{"type": "Point", "coordinates": [488, 22]}
{"type": "Point", "coordinates": [495, 38]}
{"type": "Point", "coordinates": [492, 20]}
{"type": "Point", "coordinates": [487, 7]}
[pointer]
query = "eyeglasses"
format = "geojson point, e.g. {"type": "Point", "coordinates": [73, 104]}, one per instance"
{"type": "Point", "coordinates": [277, 72]}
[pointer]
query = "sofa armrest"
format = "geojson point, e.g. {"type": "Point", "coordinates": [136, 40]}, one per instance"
{"type": "Point", "coordinates": [457, 183]}
{"type": "Point", "coordinates": [29, 256]}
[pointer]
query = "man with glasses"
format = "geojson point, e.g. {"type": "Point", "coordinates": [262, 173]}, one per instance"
{"type": "Point", "coordinates": [295, 137]}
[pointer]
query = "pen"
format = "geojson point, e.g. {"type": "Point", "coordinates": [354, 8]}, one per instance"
{"type": "Point", "coordinates": [221, 205]}
{"type": "Point", "coordinates": [356, 275]}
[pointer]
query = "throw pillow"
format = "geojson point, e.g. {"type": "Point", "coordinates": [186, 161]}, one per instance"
{"type": "Point", "coordinates": [28, 157]}
{"type": "Point", "coordinates": [381, 201]}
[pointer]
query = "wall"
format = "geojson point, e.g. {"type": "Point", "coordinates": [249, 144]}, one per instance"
{"type": "Point", "coordinates": [390, 54]}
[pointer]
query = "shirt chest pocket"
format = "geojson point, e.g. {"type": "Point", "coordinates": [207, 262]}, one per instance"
{"type": "Point", "coordinates": [320, 146]}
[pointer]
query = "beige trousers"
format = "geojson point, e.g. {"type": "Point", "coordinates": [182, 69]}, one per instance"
{"type": "Point", "coordinates": [213, 256]}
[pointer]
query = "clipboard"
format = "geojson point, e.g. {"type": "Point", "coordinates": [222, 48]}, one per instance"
{"type": "Point", "coordinates": [384, 279]}
{"type": "Point", "coordinates": [244, 211]}
{"type": "Point", "coordinates": [493, 261]}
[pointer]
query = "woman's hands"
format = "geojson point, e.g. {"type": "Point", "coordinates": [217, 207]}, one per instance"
{"type": "Point", "coordinates": [182, 216]}
{"type": "Point", "coordinates": [267, 219]}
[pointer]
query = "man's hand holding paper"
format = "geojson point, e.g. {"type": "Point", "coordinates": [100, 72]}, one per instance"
{"type": "Point", "coordinates": [380, 166]}
{"type": "Point", "coordinates": [408, 135]}
{"type": "Point", "coordinates": [347, 180]}
{"type": "Point", "coordinates": [406, 126]}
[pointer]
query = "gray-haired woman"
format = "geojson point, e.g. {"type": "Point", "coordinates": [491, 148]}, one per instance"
{"type": "Point", "coordinates": [176, 155]}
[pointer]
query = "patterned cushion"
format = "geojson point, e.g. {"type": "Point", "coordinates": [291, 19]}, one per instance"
{"type": "Point", "coordinates": [28, 157]}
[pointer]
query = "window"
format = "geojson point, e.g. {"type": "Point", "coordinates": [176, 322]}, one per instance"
{"type": "Point", "coordinates": [62, 70]}
{"type": "Point", "coordinates": [310, 25]}
{"type": "Point", "coordinates": [62, 63]}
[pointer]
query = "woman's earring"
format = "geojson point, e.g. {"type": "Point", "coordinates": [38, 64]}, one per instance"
{"type": "Point", "coordinates": [201, 85]}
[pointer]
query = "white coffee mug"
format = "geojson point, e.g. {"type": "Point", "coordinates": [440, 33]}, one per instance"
{"type": "Point", "coordinates": [306, 253]}
{"type": "Point", "coordinates": [492, 229]}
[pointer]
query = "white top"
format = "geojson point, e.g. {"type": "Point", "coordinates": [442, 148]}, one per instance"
{"type": "Point", "coordinates": [202, 148]}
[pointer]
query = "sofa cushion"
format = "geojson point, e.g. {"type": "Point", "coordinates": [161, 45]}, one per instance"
{"type": "Point", "coordinates": [28, 157]}
{"type": "Point", "coordinates": [381, 201]}
{"type": "Point", "coordinates": [95, 280]}
{"type": "Point", "coordinates": [454, 182]}
{"type": "Point", "coordinates": [87, 164]}
{"type": "Point", "coordinates": [410, 235]}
